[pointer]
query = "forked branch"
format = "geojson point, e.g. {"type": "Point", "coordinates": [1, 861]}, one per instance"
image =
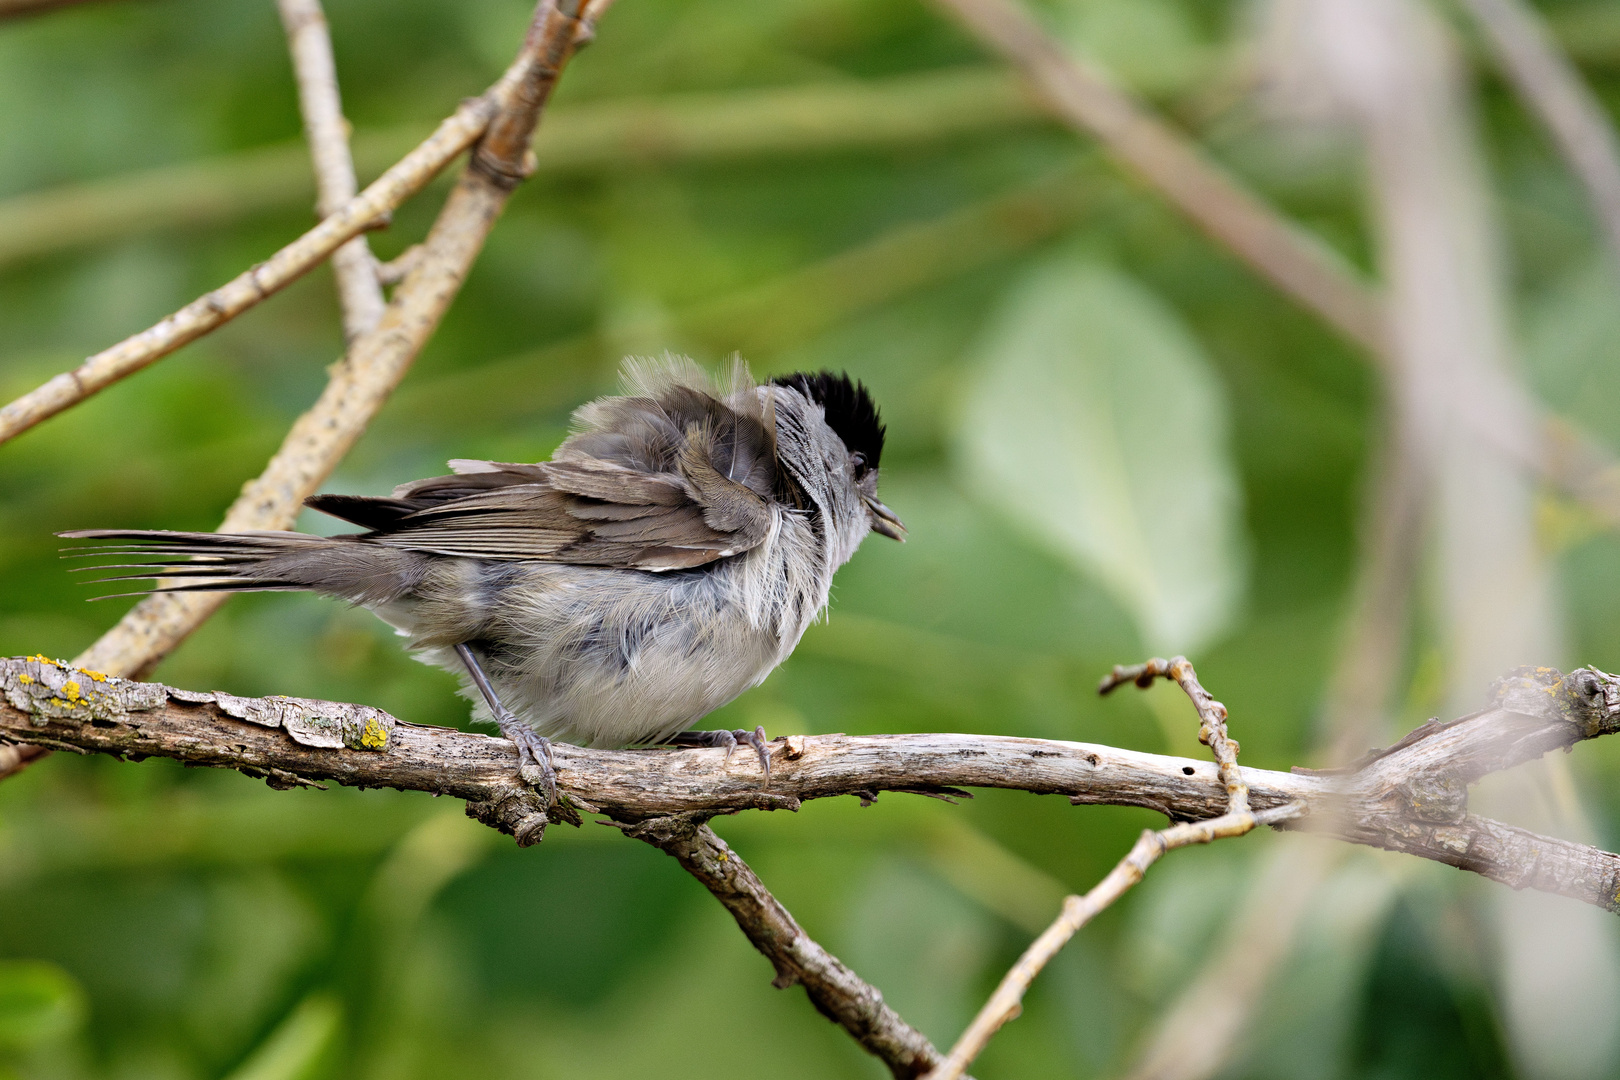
{"type": "Point", "coordinates": [1007, 1001]}
{"type": "Point", "coordinates": [376, 360]}
{"type": "Point", "coordinates": [1410, 797]}
{"type": "Point", "coordinates": [512, 103]}
{"type": "Point", "coordinates": [310, 43]}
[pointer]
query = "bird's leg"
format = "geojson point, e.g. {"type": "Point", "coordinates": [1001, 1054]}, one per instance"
{"type": "Point", "coordinates": [729, 740]}
{"type": "Point", "coordinates": [534, 749]}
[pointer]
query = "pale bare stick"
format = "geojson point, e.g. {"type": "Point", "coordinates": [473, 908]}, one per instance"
{"type": "Point", "coordinates": [1282, 253]}
{"type": "Point", "coordinates": [1193, 1037]}
{"type": "Point", "coordinates": [1211, 717]}
{"type": "Point", "coordinates": [1410, 797]}
{"type": "Point", "coordinates": [1291, 259]}
{"type": "Point", "coordinates": [1555, 91]}
{"type": "Point", "coordinates": [310, 43]}
{"type": "Point", "coordinates": [374, 364]}
{"type": "Point", "coordinates": [1007, 1001]}
{"type": "Point", "coordinates": [247, 289]}
{"type": "Point", "coordinates": [513, 95]}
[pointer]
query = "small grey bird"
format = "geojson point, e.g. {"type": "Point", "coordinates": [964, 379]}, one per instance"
{"type": "Point", "coordinates": [667, 558]}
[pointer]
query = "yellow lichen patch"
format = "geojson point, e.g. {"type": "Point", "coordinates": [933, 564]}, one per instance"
{"type": "Point", "coordinates": [25, 679]}
{"type": "Point", "coordinates": [60, 704]}
{"type": "Point", "coordinates": [40, 658]}
{"type": "Point", "coordinates": [375, 736]}
{"type": "Point", "coordinates": [70, 690]}
{"type": "Point", "coordinates": [95, 675]}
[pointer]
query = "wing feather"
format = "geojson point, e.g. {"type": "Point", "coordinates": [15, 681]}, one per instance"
{"type": "Point", "coordinates": [676, 475]}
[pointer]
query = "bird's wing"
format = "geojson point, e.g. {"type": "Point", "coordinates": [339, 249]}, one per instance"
{"type": "Point", "coordinates": [667, 483]}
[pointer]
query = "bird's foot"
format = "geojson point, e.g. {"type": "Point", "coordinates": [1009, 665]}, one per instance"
{"type": "Point", "coordinates": [534, 756]}
{"type": "Point", "coordinates": [729, 740]}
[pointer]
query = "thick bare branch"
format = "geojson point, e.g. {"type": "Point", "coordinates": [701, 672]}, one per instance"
{"type": "Point", "coordinates": [836, 991]}
{"type": "Point", "coordinates": [1555, 91]}
{"type": "Point", "coordinates": [327, 132]}
{"type": "Point", "coordinates": [1408, 798]}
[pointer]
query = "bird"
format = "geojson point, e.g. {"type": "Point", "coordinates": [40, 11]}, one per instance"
{"type": "Point", "coordinates": [667, 557]}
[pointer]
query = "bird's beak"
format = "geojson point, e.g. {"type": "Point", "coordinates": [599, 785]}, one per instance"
{"type": "Point", "coordinates": [884, 521]}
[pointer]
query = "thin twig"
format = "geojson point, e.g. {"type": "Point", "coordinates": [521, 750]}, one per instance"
{"type": "Point", "coordinates": [1211, 717]}
{"type": "Point", "coordinates": [836, 991]}
{"type": "Point", "coordinates": [310, 43]}
{"type": "Point", "coordinates": [1007, 1001]}
{"type": "Point", "coordinates": [1193, 1038]}
{"type": "Point", "coordinates": [1555, 91]}
{"type": "Point", "coordinates": [514, 100]}
{"type": "Point", "coordinates": [375, 363]}
{"type": "Point", "coordinates": [249, 288]}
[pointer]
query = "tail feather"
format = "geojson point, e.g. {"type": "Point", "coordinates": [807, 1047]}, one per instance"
{"type": "Point", "coordinates": [341, 566]}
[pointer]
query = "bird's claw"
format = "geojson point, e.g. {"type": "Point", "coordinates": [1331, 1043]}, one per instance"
{"type": "Point", "coordinates": [729, 740]}
{"type": "Point", "coordinates": [534, 758]}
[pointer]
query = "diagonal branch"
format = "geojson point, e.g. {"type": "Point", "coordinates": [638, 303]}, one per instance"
{"type": "Point", "coordinates": [1301, 267]}
{"type": "Point", "coordinates": [837, 992]}
{"type": "Point", "coordinates": [1555, 91]}
{"type": "Point", "coordinates": [1007, 1001]}
{"type": "Point", "coordinates": [377, 360]}
{"type": "Point", "coordinates": [1282, 253]}
{"type": "Point", "coordinates": [310, 44]}
{"type": "Point", "coordinates": [213, 310]}
{"type": "Point", "coordinates": [511, 103]}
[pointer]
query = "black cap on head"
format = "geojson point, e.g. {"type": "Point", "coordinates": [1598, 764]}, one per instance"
{"type": "Point", "coordinates": [849, 409]}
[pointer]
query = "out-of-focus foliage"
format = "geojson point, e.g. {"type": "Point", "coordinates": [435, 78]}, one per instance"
{"type": "Point", "coordinates": [166, 923]}
{"type": "Point", "coordinates": [1091, 387]}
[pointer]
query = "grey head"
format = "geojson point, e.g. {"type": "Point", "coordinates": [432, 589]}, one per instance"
{"type": "Point", "coordinates": [830, 440]}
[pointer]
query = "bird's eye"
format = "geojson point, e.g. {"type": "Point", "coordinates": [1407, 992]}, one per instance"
{"type": "Point", "coordinates": [858, 460]}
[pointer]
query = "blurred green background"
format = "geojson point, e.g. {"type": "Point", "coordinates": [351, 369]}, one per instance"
{"type": "Point", "coordinates": [817, 183]}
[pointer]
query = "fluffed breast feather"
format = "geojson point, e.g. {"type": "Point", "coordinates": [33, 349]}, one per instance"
{"type": "Point", "coordinates": [678, 474]}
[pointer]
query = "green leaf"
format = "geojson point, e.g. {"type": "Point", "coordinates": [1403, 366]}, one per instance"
{"type": "Point", "coordinates": [39, 1003]}
{"type": "Point", "coordinates": [1095, 421]}
{"type": "Point", "coordinates": [297, 1047]}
